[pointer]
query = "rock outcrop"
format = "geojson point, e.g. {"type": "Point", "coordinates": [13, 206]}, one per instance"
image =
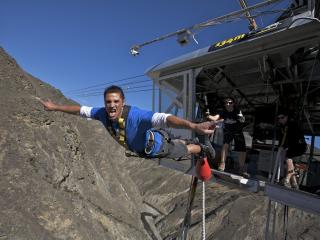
{"type": "Point", "coordinates": [64, 177]}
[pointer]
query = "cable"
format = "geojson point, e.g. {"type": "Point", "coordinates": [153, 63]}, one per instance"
{"type": "Point", "coordinates": [135, 87]}
{"type": "Point", "coordinates": [94, 91]}
{"type": "Point", "coordinates": [261, 13]}
{"type": "Point", "coordinates": [126, 92]}
{"type": "Point", "coordinates": [101, 90]}
{"type": "Point", "coordinates": [125, 88]}
{"type": "Point", "coordinates": [233, 15]}
{"type": "Point", "coordinates": [111, 82]}
{"type": "Point", "coordinates": [104, 86]}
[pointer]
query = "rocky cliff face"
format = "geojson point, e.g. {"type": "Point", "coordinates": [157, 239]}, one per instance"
{"type": "Point", "coordinates": [60, 175]}
{"type": "Point", "coordinates": [63, 177]}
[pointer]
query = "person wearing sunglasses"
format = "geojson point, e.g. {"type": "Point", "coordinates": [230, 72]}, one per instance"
{"type": "Point", "coordinates": [292, 140]}
{"type": "Point", "coordinates": [233, 123]}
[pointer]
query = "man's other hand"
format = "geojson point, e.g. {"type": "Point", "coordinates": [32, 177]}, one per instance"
{"type": "Point", "coordinates": [49, 105]}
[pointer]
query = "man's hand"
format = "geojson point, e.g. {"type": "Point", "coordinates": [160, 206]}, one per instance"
{"type": "Point", "coordinates": [201, 128]}
{"type": "Point", "coordinates": [205, 127]}
{"type": "Point", "coordinates": [49, 105]}
{"type": "Point", "coordinates": [241, 118]}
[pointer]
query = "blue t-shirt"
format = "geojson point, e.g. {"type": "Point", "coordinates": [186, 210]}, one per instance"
{"type": "Point", "coordinates": [137, 124]}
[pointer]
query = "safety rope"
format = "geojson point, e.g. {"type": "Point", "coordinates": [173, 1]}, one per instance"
{"type": "Point", "coordinates": [203, 233]}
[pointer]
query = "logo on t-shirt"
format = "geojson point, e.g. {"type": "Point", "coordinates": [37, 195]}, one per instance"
{"type": "Point", "coordinates": [230, 121]}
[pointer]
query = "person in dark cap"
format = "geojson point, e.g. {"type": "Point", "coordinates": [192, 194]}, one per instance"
{"type": "Point", "coordinates": [293, 142]}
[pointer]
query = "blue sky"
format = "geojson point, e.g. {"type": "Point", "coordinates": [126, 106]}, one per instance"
{"type": "Point", "coordinates": [74, 44]}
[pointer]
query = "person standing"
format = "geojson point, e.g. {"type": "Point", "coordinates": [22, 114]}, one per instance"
{"type": "Point", "coordinates": [292, 140]}
{"type": "Point", "coordinates": [233, 123]}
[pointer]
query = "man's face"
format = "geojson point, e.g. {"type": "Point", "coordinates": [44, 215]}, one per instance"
{"type": "Point", "coordinates": [229, 105]}
{"type": "Point", "coordinates": [282, 119]}
{"type": "Point", "coordinates": [114, 104]}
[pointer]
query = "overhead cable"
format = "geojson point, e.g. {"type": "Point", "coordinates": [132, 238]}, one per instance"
{"type": "Point", "coordinates": [101, 89]}
{"type": "Point", "coordinates": [102, 84]}
{"type": "Point", "coordinates": [125, 91]}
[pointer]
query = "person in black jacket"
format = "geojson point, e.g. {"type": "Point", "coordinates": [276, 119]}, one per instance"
{"type": "Point", "coordinates": [233, 123]}
{"type": "Point", "coordinates": [292, 140]}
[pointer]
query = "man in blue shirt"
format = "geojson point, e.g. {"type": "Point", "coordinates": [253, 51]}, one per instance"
{"type": "Point", "coordinates": [139, 130]}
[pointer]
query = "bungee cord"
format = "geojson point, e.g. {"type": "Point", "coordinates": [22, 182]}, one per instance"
{"type": "Point", "coordinates": [203, 233]}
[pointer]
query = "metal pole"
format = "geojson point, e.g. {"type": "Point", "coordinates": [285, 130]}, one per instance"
{"type": "Point", "coordinates": [183, 233]}
{"type": "Point", "coordinates": [252, 23]}
{"type": "Point", "coordinates": [268, 220]}
{"type": "Point", "coordinates": [273, 161]}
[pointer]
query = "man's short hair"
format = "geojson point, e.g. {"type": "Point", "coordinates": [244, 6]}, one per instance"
{"type": "Point", "coordinates": [113, 89]}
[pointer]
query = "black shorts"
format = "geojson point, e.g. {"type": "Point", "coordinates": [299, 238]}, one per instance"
{"type": "Point", "coordinates": [170, 148]}
{"type": "Point", "coordinates": [239, 141]}
{"type": "Point", "coordinates": [296, 150]}
{"type": "Point", "coordinates": [177, 149]}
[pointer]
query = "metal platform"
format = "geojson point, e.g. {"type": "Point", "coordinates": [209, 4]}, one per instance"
{"type": "Point", "coordinates": [293, 198]}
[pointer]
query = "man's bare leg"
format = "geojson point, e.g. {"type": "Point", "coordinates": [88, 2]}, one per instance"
{"type": "Point", "coordinates": [193, 148]}
{"type": "Point", "coordinates": [196, 148]}
{"type": "Point", "coordinates": [242, 161]}
{"type": "Point", "coordinates": [224, 151]}
{"type": "Point", "coordinates": [290, 179]}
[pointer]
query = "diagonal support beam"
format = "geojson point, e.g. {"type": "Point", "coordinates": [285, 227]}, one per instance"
{"type": "Point", "coordinates": [232, 84]}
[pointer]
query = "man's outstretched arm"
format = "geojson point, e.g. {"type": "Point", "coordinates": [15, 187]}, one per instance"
{"type": "Point", "coordinates": [50, 106]}
{"type": "Point", "coordinates": [201, 128]}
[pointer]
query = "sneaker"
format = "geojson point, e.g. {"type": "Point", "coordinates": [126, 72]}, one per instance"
{"type": "Point", "coordinates": [245, 175]}
{"type": "Point", "coordinates": [294, 183]}
{"type": "Point", "coordinates": [222, 166]}
{"type": "Point", "coordinates": [286, 183]}
{"type": "Point", "coordinates": [209, 150]}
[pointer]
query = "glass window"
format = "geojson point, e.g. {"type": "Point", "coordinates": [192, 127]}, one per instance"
{"type": "Point", "coordinates": [316, 145]}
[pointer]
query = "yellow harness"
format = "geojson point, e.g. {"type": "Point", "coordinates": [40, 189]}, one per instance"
{"type": "Point", "coordinates": [122, 131]}
{"type": "Point", "coordinates": [119, 136]}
